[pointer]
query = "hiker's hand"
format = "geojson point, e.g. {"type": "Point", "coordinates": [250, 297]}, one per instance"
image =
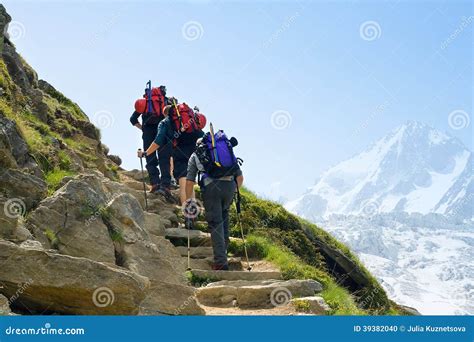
{"type": "Point", "coordinates": [188, 223]}
{"type": "Point", "coordinates": [141, 154]}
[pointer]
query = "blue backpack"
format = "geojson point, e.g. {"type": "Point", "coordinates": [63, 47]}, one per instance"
{"type": "Point", "coordinates": [217, 155]}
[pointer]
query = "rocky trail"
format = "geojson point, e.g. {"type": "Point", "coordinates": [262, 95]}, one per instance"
{"type": "Point", "coordinates": [91, 248]}
{"type": "Point", "coordinates": [238, 291]}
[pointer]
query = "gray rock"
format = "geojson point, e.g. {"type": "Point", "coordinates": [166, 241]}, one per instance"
{"type": "Point", "coordinates": [22, 186]}
{"type": "Point", "coordinates": [71, 222]}
{"type": "Point", "coordinates": [314, 305]}
{"type": "Point", "coordinates": [135, 247]}
{"type": "Point", "coordinates": [11, 222]}
{"type": "Point", "coordinates": [154, 224]}
{"type": "Point", "coordinates": [116, 159]}
{"type": "Point", "coordinates": [179, 237]}
{"type": "Point", "coordinates": [66, 284]}
{"type": "Point", "coordinates": [4, 306]}
{"type": "Point", "coordinates": [171, 299]}
{"type": "Point", "coordinates": [260, 293]}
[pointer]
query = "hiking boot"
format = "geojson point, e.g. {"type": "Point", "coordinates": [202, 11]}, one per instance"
{"type": "Point", "coordinates": [155, 188]}
{"type": "Point", "coordinates": [167, 195]}
{"type": "Point", "coordinates": [164, 191]}
{"type": "Point", "coordinates": [217, 267]}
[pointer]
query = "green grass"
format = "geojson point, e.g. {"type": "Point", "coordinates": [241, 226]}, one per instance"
{"type": "Point", "coordinates": [116, 236]}
{"type": "Point", "coordinates": [54, 178]}
{"type": "Point", "coordinates": [52, 237]}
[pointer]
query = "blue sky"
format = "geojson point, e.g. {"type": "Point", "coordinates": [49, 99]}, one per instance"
{"type": "Point", "coordinates": [302, 85]}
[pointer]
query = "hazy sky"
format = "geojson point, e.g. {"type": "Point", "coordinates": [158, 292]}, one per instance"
{"type": "Point", "coordinates": [301, 85]}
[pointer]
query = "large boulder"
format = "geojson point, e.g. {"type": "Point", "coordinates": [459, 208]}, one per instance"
{"type": "Point", "coordinates": [170, 299]}
{"type": "Point", "coordinates": [64, 284]}
{"type": "Point", "coordinates": [134, 245]}
{"type": "Point", "coordinates": [71, 222]}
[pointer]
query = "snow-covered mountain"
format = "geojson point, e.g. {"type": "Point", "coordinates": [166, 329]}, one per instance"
{"type": "Point", "coordinates": [415, 168]}
{"type": "Point", "coordinates": [405, 206]}
{"type": "Point", "coordinates": [423, 261]}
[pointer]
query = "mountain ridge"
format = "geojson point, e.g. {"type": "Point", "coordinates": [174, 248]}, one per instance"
{"type": "Point", "coordinates": [391, 175]}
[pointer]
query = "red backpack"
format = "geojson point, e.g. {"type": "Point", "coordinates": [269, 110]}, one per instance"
{"type": "Point", "coordinates": [158, 102]}
{"type": "Point", "coordinates": [184, 119]}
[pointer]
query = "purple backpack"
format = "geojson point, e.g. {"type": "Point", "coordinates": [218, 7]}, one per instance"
{"type": "Point", "coordinates": [219, 161]}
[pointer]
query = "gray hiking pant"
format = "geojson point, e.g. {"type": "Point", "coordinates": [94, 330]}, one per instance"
{"type": "Point", "coordinates": [217, 197]}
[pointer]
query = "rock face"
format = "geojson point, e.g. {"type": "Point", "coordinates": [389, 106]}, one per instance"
{"type": "Point", "coordinates": [71, 222]}
{"type": "Point", "coordinates": [13, 149]}
{"type": "Point", "coordinates": [27, 189]}
{"type": "Point", "coordinates": [64, 284]}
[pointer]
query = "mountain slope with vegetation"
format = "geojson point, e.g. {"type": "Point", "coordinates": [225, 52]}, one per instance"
{"type": "Point", "coordinates": [75, 238]}
{"type": "Point", "coordinates": [304, 251]}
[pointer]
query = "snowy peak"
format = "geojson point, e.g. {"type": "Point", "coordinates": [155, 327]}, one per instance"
{"type": "Point", "coordinates": [414, 168]}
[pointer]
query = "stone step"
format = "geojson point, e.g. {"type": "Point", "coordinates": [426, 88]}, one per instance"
{"type": "Point", "coordinates": [236, 275]}
{"type": "Point", "coordinates": [256, 293]}
{"type": "Point", "coordinates": [196, 252]}
{"type": "Point", "coordinates": [235, 264]}
{"type": "Point", "coordinates": [179, 237]}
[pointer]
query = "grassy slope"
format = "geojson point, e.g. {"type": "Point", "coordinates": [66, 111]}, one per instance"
{"type": "Point", "coordinates": [42, 138]}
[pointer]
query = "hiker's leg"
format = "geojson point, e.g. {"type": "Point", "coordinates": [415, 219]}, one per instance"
{"type": "Point", "coordinates": [213, 206]}
{"type": "Point", "coordinates": [181, 157]}
{"type": "Point", "coordinates": [227, 191]}
{"type": "Point", "coordinates": [182, 190]}
{"type": "Point", "coordinates": [164, 156]}
{"type": "Point", "coordinates": [149, 135]}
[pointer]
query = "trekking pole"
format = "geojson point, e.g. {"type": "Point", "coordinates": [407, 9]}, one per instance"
{"type": "Point", "coordinates": [186, 225]}
{"type": "Point", "coordinates": [189, 249]}
{"type": "Point", "coordinates": [143, 181]}
{"type": "Point", "coordinates": [237, 206]}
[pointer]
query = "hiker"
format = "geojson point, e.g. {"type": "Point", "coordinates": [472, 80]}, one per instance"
{"type": "Point", "coordinates": [219, 174]}
{"type": "Point", "coordinates": [150, 108]}
{"type": "Point", "coordinates": [181, 128]}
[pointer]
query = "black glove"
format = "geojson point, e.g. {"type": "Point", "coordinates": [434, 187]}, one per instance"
{"type": "Point", "coordinates": [188, 223]}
